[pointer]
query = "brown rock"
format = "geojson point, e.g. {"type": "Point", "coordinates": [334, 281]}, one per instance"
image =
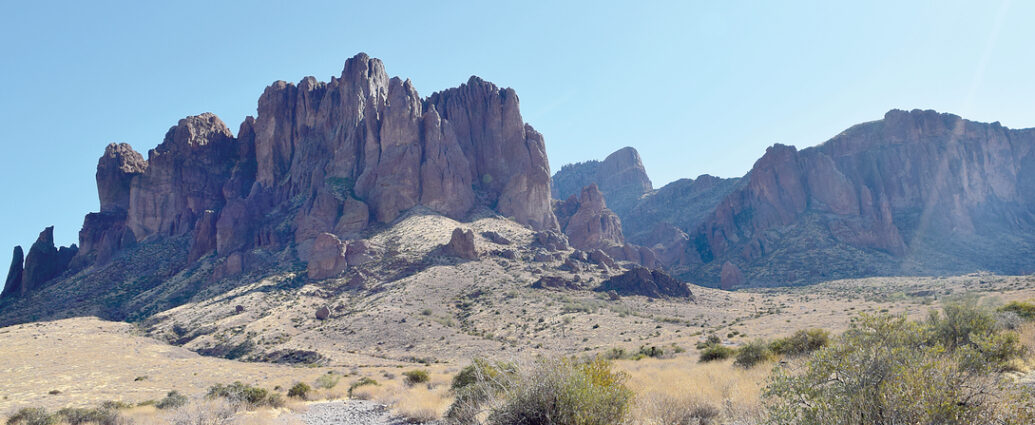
{"type": "Point", "coordinates": [551, 240]}
{"type": "Point", "coordinates": [556, 282]}
{"type": "Point", "coordinates": [361, 252]}
{"type": "Point", "coordinates": [461, 244]}
{"type": "Point", "coordinates": [204, 241]}
{"type": "Point", "coordinates": [115, 172]}
{"type": "Point", "coordinates": [323, 313]}
{"type": "Point", "coordinates": [592, 226]}
{"type": "Point", "coordinates": [646, 282]}
{"type": "Point", "coordinates": [327, 258]}
{"type": "Point", "coordinates": [601, 259]}
{"type": "Point", "coordinates": [621, 177]}
{"type": "Point", "coordinates": [496, 238]}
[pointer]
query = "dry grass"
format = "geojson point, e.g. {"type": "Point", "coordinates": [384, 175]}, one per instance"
{"type": "Point", "coordinates": [420, 403]}
{"type": "Point", "coordinates": [666, 387]}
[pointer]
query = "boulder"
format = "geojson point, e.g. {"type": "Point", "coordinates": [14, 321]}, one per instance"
{"type": "Point", "coordinates": [361, 252]}
{"type": "Point", "coordinates": [496, 238]}
{"type": "Point", "coordinates": [323, 313]}
{"type": "Point", "coordinates": [461, 244]}
{"type": "Point", "coordinates": [556, 282]}
{"type": "Point", "coordinates": [552, 240]}
{"type": "Point", "coordinates": [646, 282]}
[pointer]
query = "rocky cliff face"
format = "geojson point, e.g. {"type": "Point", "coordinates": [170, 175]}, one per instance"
{"type": "Point", "coordinates": [320, 158]}
{"type": "Point", "coordinates": [620, 177]}
{"type": "Point", "coordinates": [916, 192]}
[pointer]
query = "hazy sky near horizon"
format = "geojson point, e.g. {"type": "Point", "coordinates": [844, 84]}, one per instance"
{"type": "Point", "coordinates": [696, 87]}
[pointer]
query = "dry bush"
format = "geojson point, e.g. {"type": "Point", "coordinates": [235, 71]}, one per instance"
{"type": "Point", "coordinates": [655, 408]}
{"type": "Point", "coordinates": [416, 402]}
{"type": "Point", "coordinates": [208, 412]}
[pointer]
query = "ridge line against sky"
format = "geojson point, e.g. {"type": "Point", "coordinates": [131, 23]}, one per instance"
{"type": "Point", "coordinates": [696, 87]}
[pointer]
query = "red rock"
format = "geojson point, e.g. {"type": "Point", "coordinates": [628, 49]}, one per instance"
{"type": "Point", "coordinates": [461, 244]}
{"type": "Point", "coordinates": [646, 282]}
{"type": "Point", "coordinates": [327, 258]}
{"type": "Point", "coordinates": [361, 252]}
{"type": "Point", "coordinates": [45, 261]}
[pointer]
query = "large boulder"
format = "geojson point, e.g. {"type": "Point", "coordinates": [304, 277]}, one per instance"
{"type": "Point", "coordinates": [461, 244]}
{"type": "Point", "coordinates": [646, 282]}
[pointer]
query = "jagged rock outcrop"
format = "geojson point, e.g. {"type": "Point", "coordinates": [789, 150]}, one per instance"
{"type": "Point", "coordinates": [44, 261]}
{"type": "Point", "coordinates": [646, 282]}
{"type": "Point", "coordinates": [916, 192]}
{"type": "Point", "coordinates": [327, 258]}
{"type": "Point", "coordinates": [13, 285]}
{"type": "Point", "coordinates": [557, 282]}
{"type": "Point", "coordinates": [321, 158]}
{"type": "Point", "coordinates": [461, 244]}
{"type": "Point", "coordinates": [621, 177]}
{"type": "Point", "coordinates": [592, 225]}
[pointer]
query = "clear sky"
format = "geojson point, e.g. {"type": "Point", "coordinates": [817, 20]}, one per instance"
{"type": "Point", "coordinates": [697, 87]}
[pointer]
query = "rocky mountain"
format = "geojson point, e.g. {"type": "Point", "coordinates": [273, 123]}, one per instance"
{"type": "Point", "coordinates": [620, 177]}
{"type": "Point", "coordinates": [319, 158]}
{"type": "Point", "coordinates": [914, 193]}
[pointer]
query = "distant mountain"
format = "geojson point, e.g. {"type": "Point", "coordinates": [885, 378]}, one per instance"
{"type": "Point", "coordinates": [620, 177]}
{"type": "Point", "coordinates": [915, 193]}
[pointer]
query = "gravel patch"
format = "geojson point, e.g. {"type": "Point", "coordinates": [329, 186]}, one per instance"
{"type": "Point", "coordinates": [351, 412]}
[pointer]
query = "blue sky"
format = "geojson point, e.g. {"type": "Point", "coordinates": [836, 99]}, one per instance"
{"type": "Point", "coordinates": [697, 87]}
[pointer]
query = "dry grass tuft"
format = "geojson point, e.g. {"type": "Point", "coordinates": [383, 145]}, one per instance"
{"type": "Point", "coordinates": [681, 387]}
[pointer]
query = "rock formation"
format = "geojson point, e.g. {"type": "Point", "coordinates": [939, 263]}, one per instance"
{"type": "Point", "coordinates": [461, 244]}
{"type": "Point", "coordinates": [916, 192]}
{"type": "Point", "coordinates": [730, 277]}
{"type": "Point", "coordinates": [620, 177]}
{"type": "Point", "coordinates": [591, 225]}
{"type": "Point", "coordinates": [327, 258]}
{"type": "Point", "coordinates": [13, 285]}
{"type": "Point", "coordinates": [319, 158]}
{"type": "Point", "coordinates": [44, 261]}
{"type": "Point", "coordinates": [646, 282]}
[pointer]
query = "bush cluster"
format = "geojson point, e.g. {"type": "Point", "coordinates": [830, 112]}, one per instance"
{"type": "Point", "coordinates": [562, 392]}
{"type": "Point", "coordinates": [416, 376]}
{"type": "Point", "coordinates": [886, 369]}
{"type": "Point", "coordinates": [240, 394]}
{"type": "Point", "coordinates": [104, 415]}
{"type": "Point", "coordinates": [300, 390]}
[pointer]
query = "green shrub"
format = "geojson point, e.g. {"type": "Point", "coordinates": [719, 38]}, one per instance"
{"type": "Point", "coordinates": [32, 416]}
{"type": "Point", "coordinates": [564, 392]}
{"type": "Point", "coordinates": [79, 416]}
{"type": "Point", "coordinates": [243, 394]}
{"type": "Point", "coordinates": [715, 352]}
{"type": "Point", "coordinates": [416, 376]}
{"type": "Point", "coordinates": [886, 369]}
{"type": "Point", "coordinates": [1024, 309]}
{"type": "Point", "coordinates": [474, 384]}
{"type": "Point", "coordinates": [327, 381]}
{"type": "Point", "coordinates": [172, 400]}
{"type": "Point", "coordinates": [115, 405]}
{"type": "Point", "coordinates": [801, 342]}
{"type": "Point", "coordinates": [361, 382]}
{"type": "Point", "coordinates": [300, 390]}
{"type": "Point", "coordinates": [753, 353]}
{"type": "Point", "coordinates": [651, 351]}
{"type": "Point", "coordinates": [975, 332]}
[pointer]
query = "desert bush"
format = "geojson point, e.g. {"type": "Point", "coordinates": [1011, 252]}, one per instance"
{"type": "Point", "coordinates": [474, 385]}
{"type": "Point", "coordinates": [802, 342]}
{"type": "Point", "coordinates": [886, 369]}
{"type": "Point", "coordinates": [360, 383]}
{"type": "Point", "coordinates": [975, 333]}
{"type": "Point", "coordinates": [211, 412]}
{"type": "Point", "coordinates": [79, 416]}
{"type": "Point", "coordinates": [239, 394]}
{"type": "Point", "coordinates": [115, 405]}
{"type": "Point", "coordinates": [715, 352]}
{"type": "Point", "coordinates": [300, 390]}
{"type": "Point", "coordinates": [652, 352]}
{"type": "Point", "coordinates": [753, 353]}
{"type": "Point", "coordinates": [1023, 309]}
{"type": "Point", "coordinates": [564, 392]}
{"type": "Point", "coordinates": [327, 381]}
{"type": "Point", "coordinates": [32, 416]}
{"type": "Point", "coordinates": [416, 376]}
{"type": "Point", "coordinates": [172, 400]}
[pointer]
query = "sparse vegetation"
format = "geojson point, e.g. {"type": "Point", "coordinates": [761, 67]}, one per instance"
{"type": "Point", "coordinates": [887, 369]}
{"type": "Point", "coordinates": [416, 376]}
{"type": "Point", "coordinates": [172, 400]}
{"type": "Point", "coordinates": [716, 352]}
{"type": "Point", "coordinates": [364, 381]}
{"type": "Point", "coordinates": [801, 342]}
{"type": "Point", "coordinates": [300, 390]}
{"type": "Point", "coordinates": [327, 381]}
{"type": "Point", "coordinates": [753, 353]}
{"type": "Point", "coordinates": [240, 394]}
{"type": "Point", "coordinates": [1025, 310]}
